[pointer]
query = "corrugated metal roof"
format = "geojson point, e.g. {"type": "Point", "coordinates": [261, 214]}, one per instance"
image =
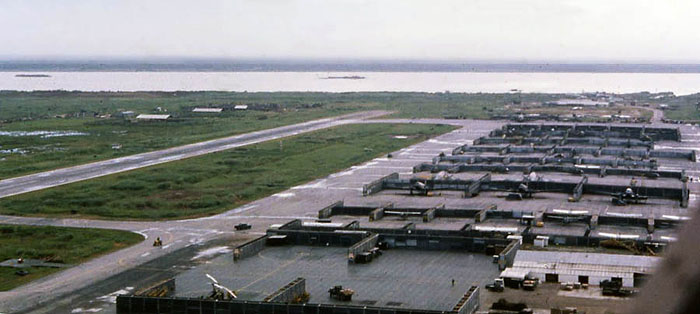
{"type": "Point", "coordinates": [581, 269]}
{"type": "Point", "coordinates": [517, 273]}
{"type": "Point", "coordinates": [579, 263]}
{"type": "Point", "coordinates": [586, 258]}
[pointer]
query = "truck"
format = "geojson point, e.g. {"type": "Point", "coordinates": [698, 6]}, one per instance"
{"type": "Point", "coordinates": [340, 294]}
{"type": "Point", "coordinates": [242, 226]}
{"type": "Point", "coordinates": [614, 288]}
{"type": "Point", "coordinates": [530, 283]}
{"type": "Point", "coordinates": [496, 286]}
{"type": "Point", "coordinates": [503, 306]}
{"type": "Point", "coordinates": [365, 257]}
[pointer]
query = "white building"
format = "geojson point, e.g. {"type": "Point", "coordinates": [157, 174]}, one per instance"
{"type": "Point", "coordinates": [208, 110]}
{"type": "Point", "coordinates": [153, 117]}
{"type": "Point", "coordinates": [579, 102]}
{"type": "Point", "coordinates": [240, 107]}
{"type": "Point", "coordinates": [127, 113]}
{"type": "Point", "coordinates": [591, 268]}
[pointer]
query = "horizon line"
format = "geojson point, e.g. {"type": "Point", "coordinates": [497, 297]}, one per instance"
{"type": "Point", "coordinates": [331, 60]}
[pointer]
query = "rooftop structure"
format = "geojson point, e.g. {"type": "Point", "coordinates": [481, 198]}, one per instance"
{"type": "Point", "coordinates": [153, 117]}
{"type": "Point", "coordinates": [578, 102]}
{"type": "Point", "coordinates": [208, 110]}
{"type": "Point", "coordinates": [582, 267]}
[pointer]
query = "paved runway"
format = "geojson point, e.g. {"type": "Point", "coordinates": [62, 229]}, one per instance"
{"type": "Point", "coordinates": [42, 180]}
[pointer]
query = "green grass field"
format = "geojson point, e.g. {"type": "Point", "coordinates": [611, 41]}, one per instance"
{"type": "Point", "coordinates": [56, 244]}
{"type": "Point", "coordinates": [35, 153]}
{"type": "Point", "coordinates": [216, 182]}
{"type": "Point", "coordinates": [38, 111]}
{"type": "Point", "coordinates": [683, 108]}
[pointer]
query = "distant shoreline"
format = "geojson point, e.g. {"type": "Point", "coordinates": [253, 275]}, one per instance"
{"type": "Point", "coordinates": [346, 67]}
{"type": "Point", "coordinates": [32, 75]}
{"type": "Point", "coordinates": [350, 77]}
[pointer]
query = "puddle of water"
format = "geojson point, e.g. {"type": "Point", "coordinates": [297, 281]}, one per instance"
{"type": "Point", "coordinates": [212, 251]}
{"type": "Point", "coordinates": [42, 134]}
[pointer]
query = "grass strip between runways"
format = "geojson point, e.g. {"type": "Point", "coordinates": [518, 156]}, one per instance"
{"type": "Point", "coordinates": [220, 181]}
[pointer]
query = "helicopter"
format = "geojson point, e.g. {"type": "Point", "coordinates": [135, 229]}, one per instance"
{"type": "Point", "coordinates": [219, 292]}
{"type": "Point", "coordinates": [523, 191]}
{"type": "Point", "coordinates": [628, 197]}
{"type": "Point", "coordinates": [423, 184]}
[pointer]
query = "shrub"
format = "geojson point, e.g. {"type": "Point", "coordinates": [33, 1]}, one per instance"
{"type": "Point", "coordinates": [87, 202]}
{"type": "Point", "coordinates": [65, 237]}
{"type": "Point", "coordinates": [204, 202]}
{"type": "Point", "coordinates": [128, 185]}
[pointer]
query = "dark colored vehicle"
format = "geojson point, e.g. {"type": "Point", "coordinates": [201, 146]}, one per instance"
{"type": "Point", "coordinates": [530, 283]}
{"type": "Point", "coordinates": [363, 258]}
{"type": "Point", "coordinates": [243, 226]}
{"type": "Point", "coordinates": [614, 288]}
{"type": "Point", "coordinates": [21, 273]}
{"type": "Point", "coordinates": [341, 294]}
{"type": "Point", "coordinates": [496, 286]}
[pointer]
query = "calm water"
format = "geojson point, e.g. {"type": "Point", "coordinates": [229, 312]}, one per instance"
{"type": "Point", "coordinates": [679, 83]}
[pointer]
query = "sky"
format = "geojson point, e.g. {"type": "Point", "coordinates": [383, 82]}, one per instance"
{"type": "Point", "coordinates": [665, 31]}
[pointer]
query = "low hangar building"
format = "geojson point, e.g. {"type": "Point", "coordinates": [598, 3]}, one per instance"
{"type": "Point", "coordinates": [591, 268]}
